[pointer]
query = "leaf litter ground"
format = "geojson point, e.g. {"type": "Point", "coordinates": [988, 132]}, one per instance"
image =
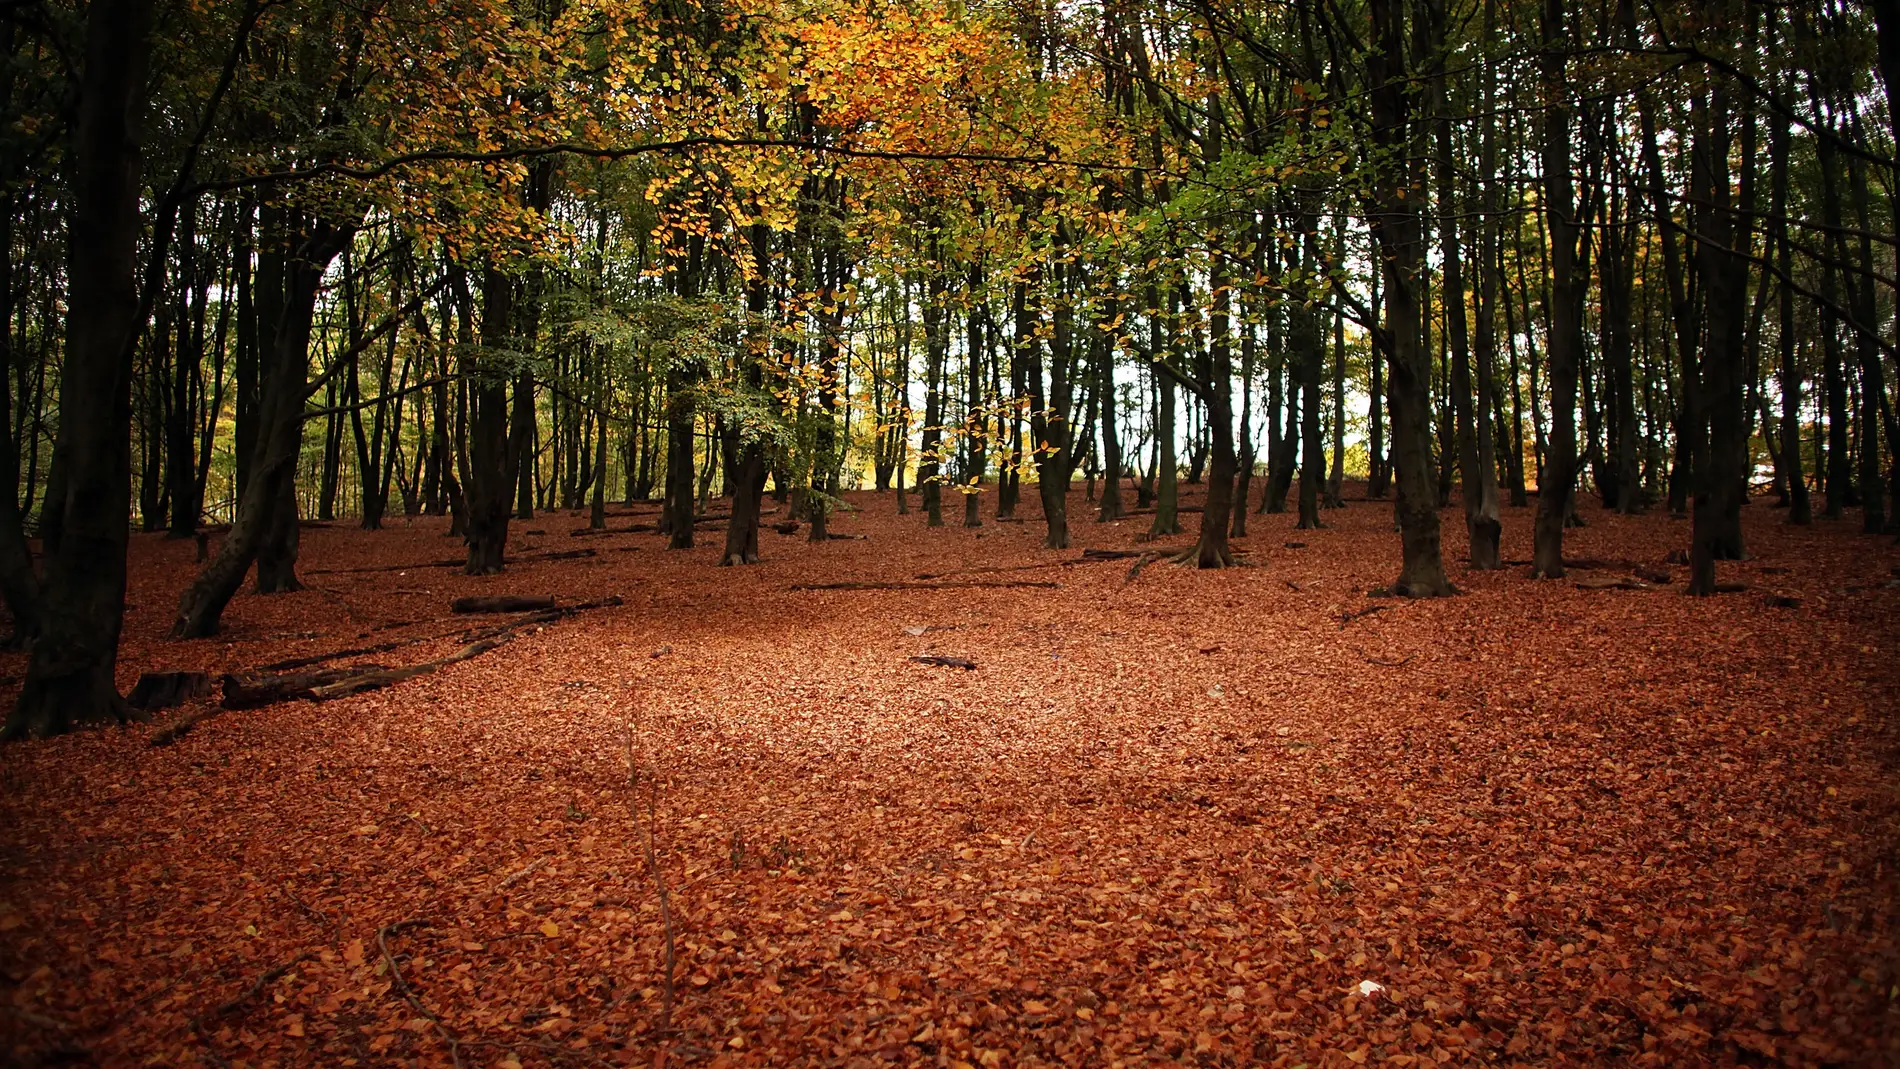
{"type": "Point", "coordinates": [1220, 817]}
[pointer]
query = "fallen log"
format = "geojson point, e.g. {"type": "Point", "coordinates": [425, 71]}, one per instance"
{"type": "Point", "coordinates": [564, 554]}
{"type": "Point", "coordinates": [412, 566]}
{"type": "Point", "coordinates": [244, 690]}
{"type": "Point", "coordinates": [383, 677]}
{"type": "Point", "coordinates": [946, 662]}
{"type": "Point", "coordinates": [249, 690]}
{"type": "Point", "coordinates": [499, 603]}
{"type": "Point", "coordinates": [1611, 582]}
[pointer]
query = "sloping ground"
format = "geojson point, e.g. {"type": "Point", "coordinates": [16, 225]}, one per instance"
{"type": "Point", "coordinates": [1178, 818]}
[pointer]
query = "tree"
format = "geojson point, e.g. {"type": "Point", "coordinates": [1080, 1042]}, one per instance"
{"type": "Point", "coordinates": [69, 681]}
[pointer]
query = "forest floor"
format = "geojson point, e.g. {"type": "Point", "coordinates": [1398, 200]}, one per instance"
{"type": "Point", "coordinates": [1179, 818]}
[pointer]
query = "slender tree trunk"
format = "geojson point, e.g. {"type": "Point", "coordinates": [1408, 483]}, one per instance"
{"type": "Point", "coordinates": [1400, 235]}
{"type": "Point", "coordinates": [1167, 486]}
{"type": "Point", "coordinates": [272, 495]}
{"type": "Point", "coordinates": [1052, 413]}
{"type": "Point", "coordinates": [1565, 345]}
{"type": "Point", "coordinates": [19, 583]}
{"type": "Point", "coordinates": [489, 482]}
{"type": "Point", "coordinates": [1111, 503]}
{"type": "Point", "coordinates": [748, 477]}
{"type": "Point", "coordinates": [973, 419]}
{"type": "Point", "coordinates": [1720, 481]}
{"type": "Point", "coordinates": [1216, 372]}
{"type": "Point", "coordinates": [1873, 384]}
{"type": "Point", "coordinates": [1800, 507]}
{"type": "Point", "coordinates": [1308, 354]}
{"type": "Point", "coordinates": [936, 350]}
{"type": "Point", "coordinates": [1335, 482]}
{"type": "Point", "coordinates": [827, 454]}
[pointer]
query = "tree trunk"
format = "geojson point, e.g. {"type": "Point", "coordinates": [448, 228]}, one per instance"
{"type": "Point", "coordinates": [1308, 356]}
{"type": "Point", "coordinates": [1051, 427]}
{"type": "Point", "coordinates": [1216, 372]}
{"type": "Point", "coordinates": [490, 480]}
{"type": "Point", "coordinates": [1720, 477]}
{"type": "Point", "coordinates": [1477, 455]}
{"type": "Point", "coordinates": [973, 419]}
{"type": "Point", "coordinates": [1167, 485]}
{"type": "Point", "coordinates": [1400, 234]}
{"type": "Point", "coordinates": [1873, 385]}
{"type": "Point", "coordinates": [1800, 506]}
{"type": "Point", "coordinates": [270, 501]}
{"type": "Point", "coordinates": [1111, 506]}
{"type": "Point", "coordinates": [1564, 347]}
{"type": "Point", "coordinates": [936, 352]}
{"type": "Point", "coordinates": [19, 583]}
{"type": "Point", "coordinates": [70, 679]}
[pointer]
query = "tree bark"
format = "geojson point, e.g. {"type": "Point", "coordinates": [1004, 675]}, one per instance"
{"type": "Point", "coordinates": [490, 480]}
{"type": "Point", "coordinates": [1720, 476]}
{"type": "Point", "coordinates": [1564, 348]}
{"type": "Point", "coordinates": [271, 498]}
{"type": "Point", "coordinates": [70, 679]}
{"type": "Point", "coordinates": [1400, 234]}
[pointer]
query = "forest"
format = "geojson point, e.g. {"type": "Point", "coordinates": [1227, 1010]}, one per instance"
{"type": "Point", "coordinates": [979, 532]}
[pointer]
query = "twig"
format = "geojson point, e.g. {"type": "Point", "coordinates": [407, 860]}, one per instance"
{"type": "Point", "coordinates": [402, 986]}
{"type": "Point", "coordinates": [336, 934]}
{"type": "Point", "coordinates": [1370, 659]}
{"type": "Point", "coordinates": [532, 867]}
{"type": "Point", "coordinates": [264, 979]}
{"type": "Point", "coordinates": [1142, 562]}
{"type": "Point", "coordinates": [1349, 617]}
{"type": "Point", "coordinates": [210, 1052]}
